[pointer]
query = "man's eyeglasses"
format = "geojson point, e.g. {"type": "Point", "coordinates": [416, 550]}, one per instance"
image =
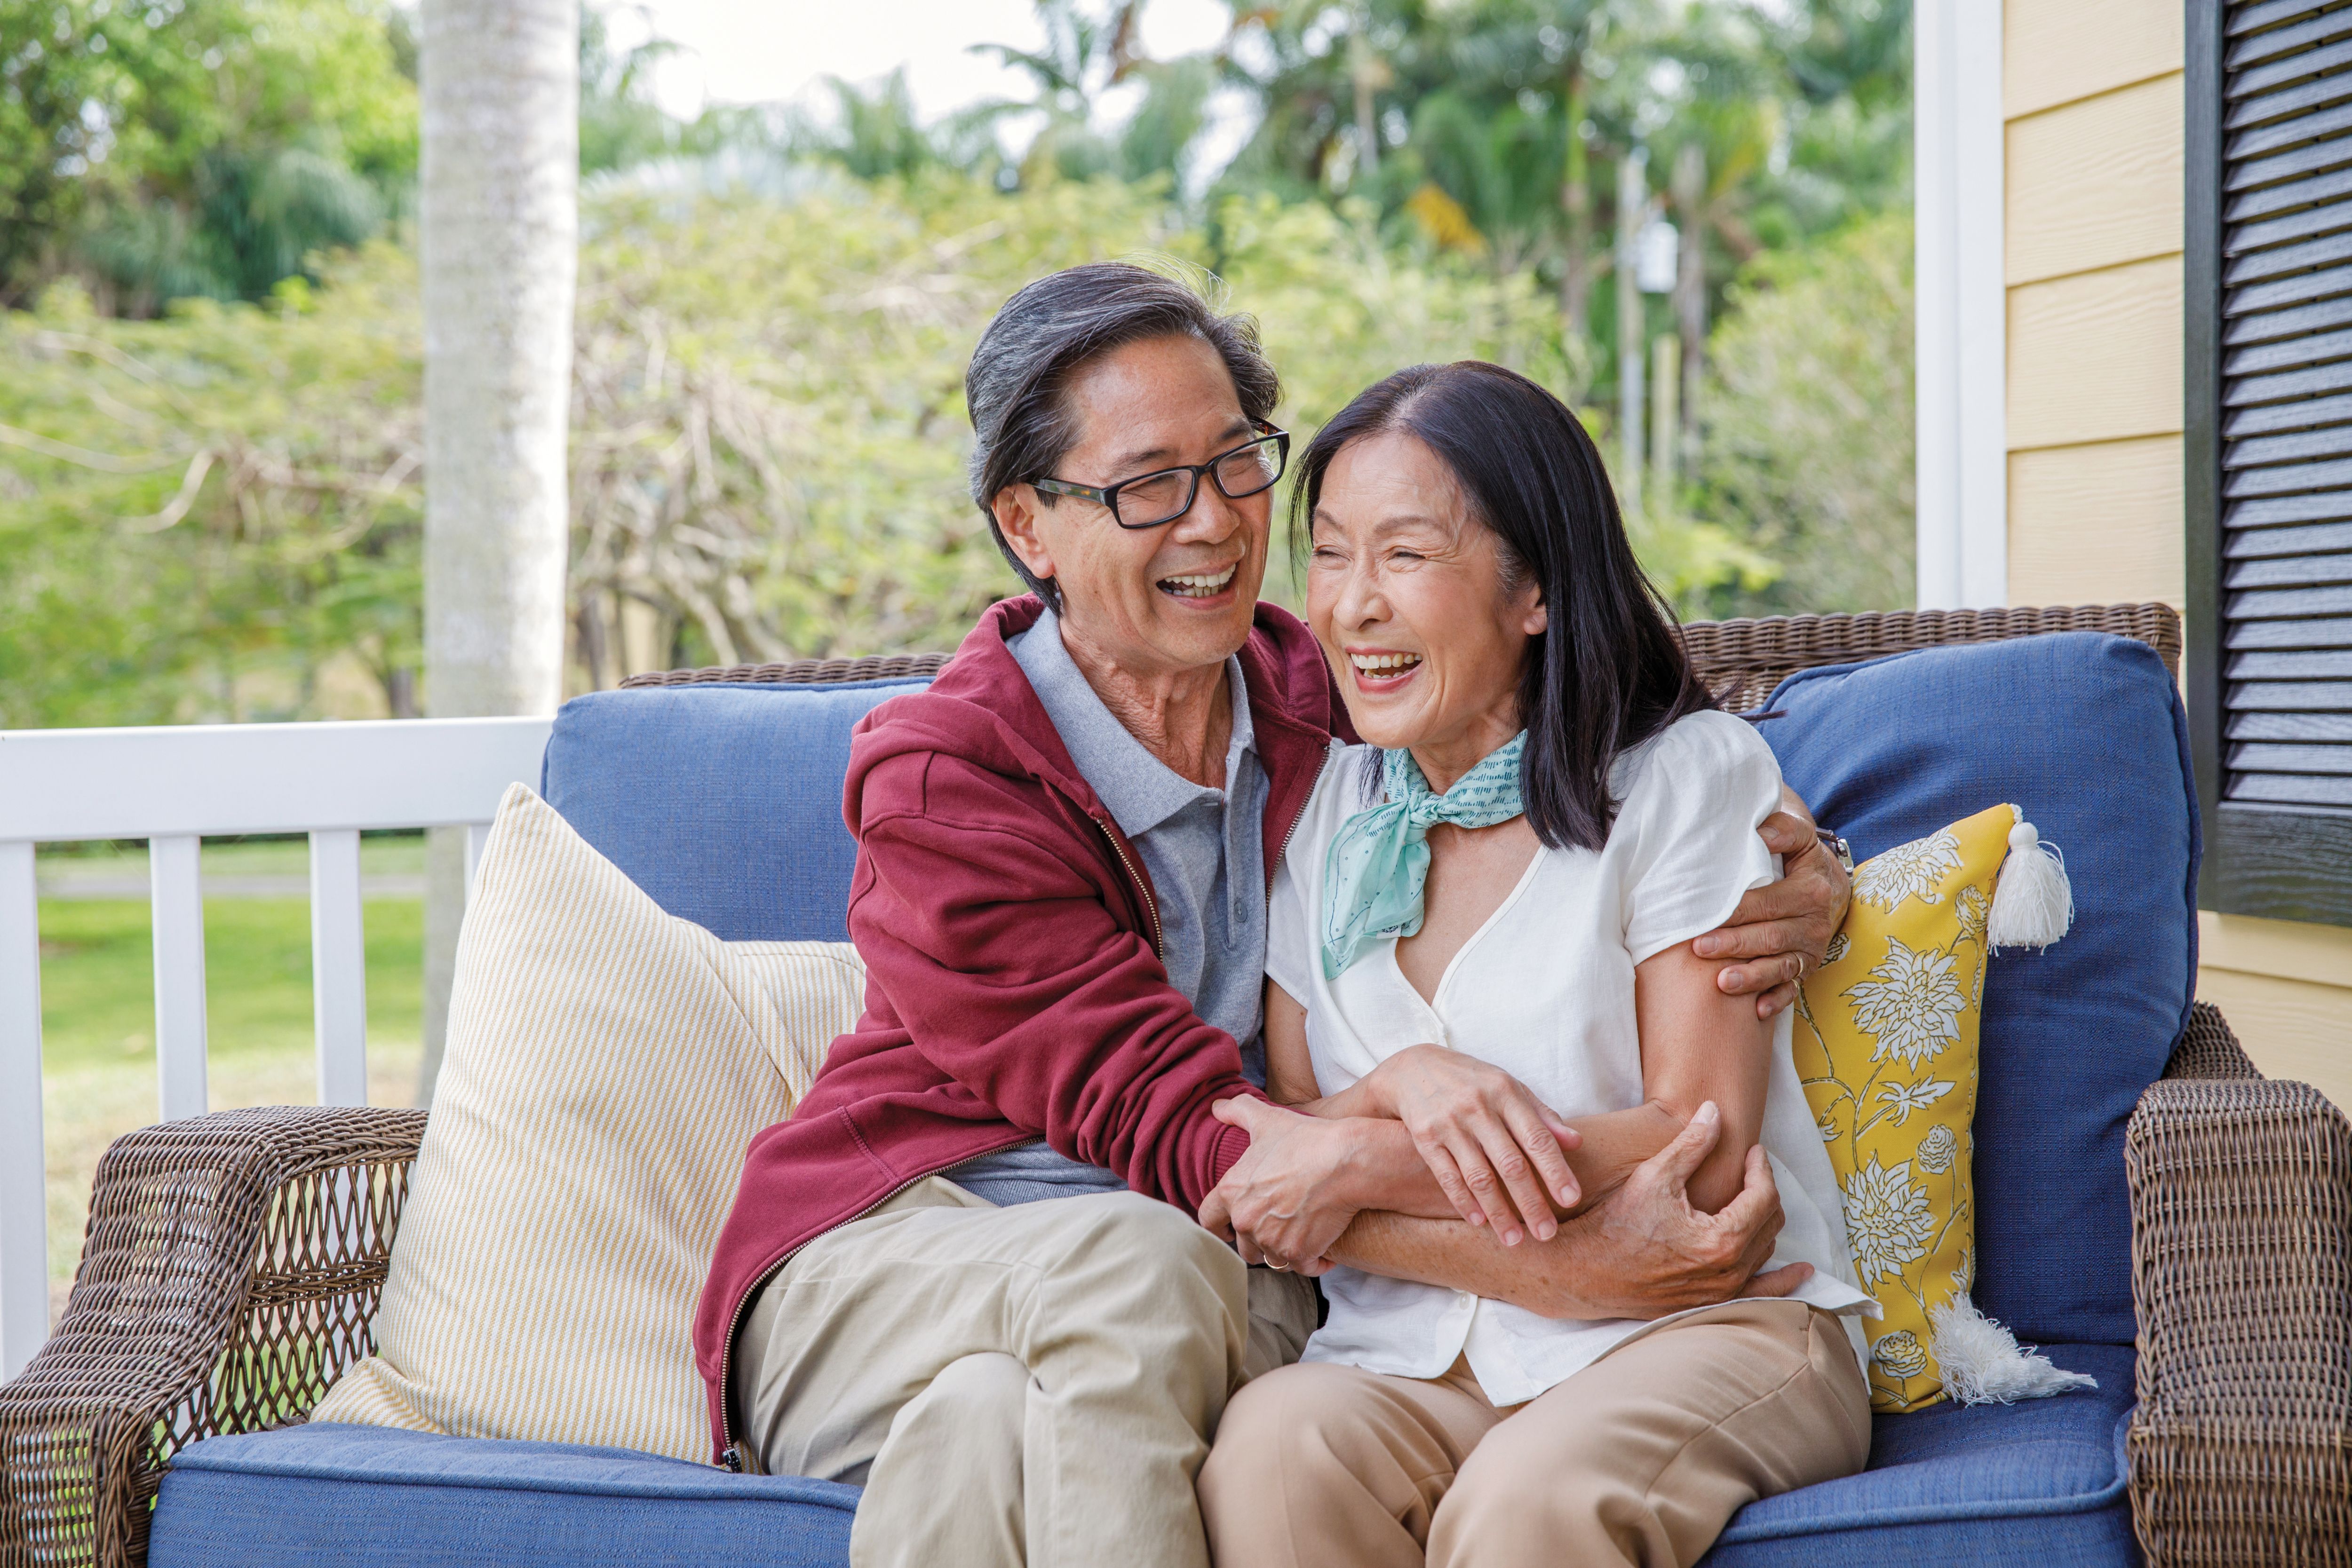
{"type": "Point", "coordinates": [1148, 500]}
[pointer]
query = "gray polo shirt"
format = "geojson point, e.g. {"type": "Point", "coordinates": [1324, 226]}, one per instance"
{"type": "Point", "coordinates": [1204, 851]}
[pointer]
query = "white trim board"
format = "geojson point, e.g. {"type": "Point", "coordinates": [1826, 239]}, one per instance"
{"type": "Point", "coordinates": [1963, 303]}
{"type": "Point", "coordinates": [170, 780]}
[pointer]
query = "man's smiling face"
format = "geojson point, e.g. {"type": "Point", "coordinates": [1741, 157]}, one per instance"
{"type": "Point", "coordinates": [1156, 600]}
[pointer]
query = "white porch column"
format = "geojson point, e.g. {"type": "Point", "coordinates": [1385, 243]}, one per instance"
{"type": "Point", "coordinates": [24, 1202]}
{"type": "Point", "coordinates": [1962, 391]}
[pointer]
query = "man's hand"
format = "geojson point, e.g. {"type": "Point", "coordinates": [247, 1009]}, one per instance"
{"type": "Point", "coordinates": [1663, 1256]}
{"type": "Point", "coordinates": [1286, 1200]}
{"type": "Point", "coordinates": [1781, 931]}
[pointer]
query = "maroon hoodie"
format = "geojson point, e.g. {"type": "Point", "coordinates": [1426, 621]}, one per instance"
{"type": "Point", "coordinates": [1014, 986]}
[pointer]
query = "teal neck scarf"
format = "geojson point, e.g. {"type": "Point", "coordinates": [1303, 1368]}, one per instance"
{"type": "Point", "coordinates": [1378, 860]}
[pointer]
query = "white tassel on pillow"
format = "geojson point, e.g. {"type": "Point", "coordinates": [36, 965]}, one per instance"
{"type": "Point", "coordinates": [2032, 904]}
{"type": "Point", "coordinates": [1981, 1363]}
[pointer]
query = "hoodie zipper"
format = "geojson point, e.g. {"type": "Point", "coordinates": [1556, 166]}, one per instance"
{"type": "Point", "coordinates": [1289, 833]}
{"type": "Point", "coordinates": [1150, 905]}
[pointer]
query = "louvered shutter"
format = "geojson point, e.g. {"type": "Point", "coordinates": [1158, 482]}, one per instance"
{"type": "Point", "coordinates": [2270, 271]}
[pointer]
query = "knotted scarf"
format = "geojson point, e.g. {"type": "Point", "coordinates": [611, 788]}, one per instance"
{"type": "Point", "coordinates": [1378, 860]}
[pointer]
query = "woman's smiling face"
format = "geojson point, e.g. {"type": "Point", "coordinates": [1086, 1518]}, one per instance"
{"type": "Point", "coordinates": [1406, 590]}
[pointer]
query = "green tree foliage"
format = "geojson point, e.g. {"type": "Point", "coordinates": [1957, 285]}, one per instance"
{"type": "Point", "coordinates": [195, 147]}
{"type": "Point", "coordinates": [622, 126]}
{"type": "Point", "coordinates": [1811, 448]}
{"type": "Point", "coordinates": [768, 434]}
{"type": "Point", "coordinates": [207, 513]}
{"type": "Point", "coordinates": [1517, 110]}
{"type": "Point", "coordinates": [1086, 54]}
{"type": "Point", "coordinates": [185, 502]}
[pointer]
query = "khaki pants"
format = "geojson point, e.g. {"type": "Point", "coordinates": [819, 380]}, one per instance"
{"type": "Point", "coordinates": [1642, 1457]}
{"type": "Point", "coordinates": [1027, 1385]}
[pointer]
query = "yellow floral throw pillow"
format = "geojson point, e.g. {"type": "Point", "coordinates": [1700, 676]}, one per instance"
{"type": "Point", "coordinates": [1887, 1045]}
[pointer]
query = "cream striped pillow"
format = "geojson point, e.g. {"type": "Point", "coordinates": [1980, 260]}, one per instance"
{"type": "Point", "coordinates": [607, 1064]}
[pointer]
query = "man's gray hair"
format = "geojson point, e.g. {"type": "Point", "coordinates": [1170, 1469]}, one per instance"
{"type": "Point", "coordinates": [1021, 422]}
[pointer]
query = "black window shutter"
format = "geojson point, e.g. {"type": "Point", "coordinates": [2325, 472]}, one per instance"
{"type": "Point", "coordinates": [2268, 280]}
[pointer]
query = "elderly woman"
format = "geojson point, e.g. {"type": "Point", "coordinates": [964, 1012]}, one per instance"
{"type": "Point", "coordinates": [1550, 809]}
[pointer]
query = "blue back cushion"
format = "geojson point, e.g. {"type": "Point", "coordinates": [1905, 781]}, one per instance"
{"type": "Point", "coordinates": [2086, 733]}
{"type": "Point", "coordinates": [722, 802]}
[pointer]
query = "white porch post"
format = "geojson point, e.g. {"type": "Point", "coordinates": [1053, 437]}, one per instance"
{"type": "Point", "coordinates": [339, 967]}
{"type": "Point", "coordinates": [1962, 387]}
{"type": "Point", "coordinates": [24, 1204]}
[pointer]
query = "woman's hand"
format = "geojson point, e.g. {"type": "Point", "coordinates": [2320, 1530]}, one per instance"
{"type": "Point", "coordinates": [1288, 1198]}
{"type": "Point", "coordinates": [1493, 1146]}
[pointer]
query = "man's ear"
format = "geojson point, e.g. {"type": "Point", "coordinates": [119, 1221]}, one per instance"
{"type": "Point", "coordinates": [1015, 508]}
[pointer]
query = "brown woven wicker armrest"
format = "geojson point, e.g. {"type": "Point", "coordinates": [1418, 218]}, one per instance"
{"type": "Point", "coordinates": [229, 1275]}
{"type": "Point", "coordinates": [2241, 1272]}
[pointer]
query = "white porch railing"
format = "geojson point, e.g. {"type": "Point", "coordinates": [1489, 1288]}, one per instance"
{"type": "Point", "coordinates": [172, 786]}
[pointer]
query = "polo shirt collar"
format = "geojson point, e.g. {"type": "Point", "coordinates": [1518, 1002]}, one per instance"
{"type": "Point", "coordinates": [1139, 789]}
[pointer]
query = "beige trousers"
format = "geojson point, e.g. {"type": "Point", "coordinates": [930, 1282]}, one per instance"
{"type": "Point", "coordinates": [1032, 1385]}
{"type": "Point", "coordinates": [1642, 1457]}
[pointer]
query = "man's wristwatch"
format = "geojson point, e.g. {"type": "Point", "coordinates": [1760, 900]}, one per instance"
{"type": "Point", "coordinates": [1838, 847]}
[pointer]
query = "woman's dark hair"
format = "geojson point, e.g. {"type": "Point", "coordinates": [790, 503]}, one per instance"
{"type": "Point", "coordinates": [1021, 422]}
{"type": "Point", "coordinates": [1609, 671]}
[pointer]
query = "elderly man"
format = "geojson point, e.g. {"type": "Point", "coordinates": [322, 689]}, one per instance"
{"type": "Point", "coordinates": [968, 1271]}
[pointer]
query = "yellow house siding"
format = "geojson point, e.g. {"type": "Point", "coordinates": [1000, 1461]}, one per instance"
{"type": "Point", "coordinates": [2095, 357]}
{"type": "Point", "coordinates": [2284, 949]}
{"type": "Point", "coordinates": [2131, 488]}
{"type": "Point", "coordinates": [2117, 159]}
{"type": "Point", "coordinates": [2055, 51]}
{"type": "Point", "coordinates": [2092, 97]}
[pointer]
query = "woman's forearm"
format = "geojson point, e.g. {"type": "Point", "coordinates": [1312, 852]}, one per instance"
{"type": "Point", "coordinates": [1545, 1277]}
{"type": "Point", "coordinates": [1387, 1173]}
{"type": "Point", "coordinates": [1611, 1144]}
{"type": "Point", "coordinates": [1356, 1100]}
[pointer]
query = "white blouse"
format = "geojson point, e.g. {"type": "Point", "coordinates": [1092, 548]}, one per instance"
{"type": "Point", "coordinates": [1544, 991]}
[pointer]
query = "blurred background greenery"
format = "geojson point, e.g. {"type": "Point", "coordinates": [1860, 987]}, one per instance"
{"type": "Point", "coordinates": [210, 365]}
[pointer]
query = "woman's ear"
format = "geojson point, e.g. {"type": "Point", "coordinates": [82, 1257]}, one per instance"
{"type": "Point", "coordinates": [1536, 621]}
{"type": "Point", "coordinates": [1015, 508]}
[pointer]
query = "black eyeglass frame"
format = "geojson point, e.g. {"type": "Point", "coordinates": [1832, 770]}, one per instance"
{"type": "Point", "coordinates": [1107, 497]}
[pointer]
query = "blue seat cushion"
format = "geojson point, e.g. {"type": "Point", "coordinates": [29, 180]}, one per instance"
{"type": "Point", "coordinates": [2036, 1485]}
{"type": "Point", "coordinates": [2086, 733]}
{"type": "Point", "coordinates": [722, 802]}
{"type": "Point", "coordinates": [370, 1497]}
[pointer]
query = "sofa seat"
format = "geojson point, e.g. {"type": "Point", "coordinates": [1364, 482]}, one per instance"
{"type": "Point", "coordinates": [1945, 1484]}
{"type": "Point", "coordinates": [370, 1497]}
{"type": "Point", "coordinates": [2035, 1485]}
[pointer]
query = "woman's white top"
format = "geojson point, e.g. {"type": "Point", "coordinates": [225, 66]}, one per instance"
{"type": "Point", "coordinates": [1544, 991]}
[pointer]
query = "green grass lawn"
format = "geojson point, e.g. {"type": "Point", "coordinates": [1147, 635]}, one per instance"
{"type": "Point", "coordinates": [98, 1000]}
{"type": "Point", "coordinates": [98, 1020]}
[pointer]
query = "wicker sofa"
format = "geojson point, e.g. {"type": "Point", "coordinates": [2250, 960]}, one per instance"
{"type": "Point", "coordinates": [233, 1261]}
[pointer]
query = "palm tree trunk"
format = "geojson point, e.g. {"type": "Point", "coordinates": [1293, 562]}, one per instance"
{"type": "Point", "coordinates": [1633, 212]}
{"type": "Point", "coordinates": [1364, 67]}
{"type": "Point", "coordinates": [1690, 288]}
{"type": "Point", "coordinates": [500, 82]}
{"type": "Point", "coordinates": [1576, 202]}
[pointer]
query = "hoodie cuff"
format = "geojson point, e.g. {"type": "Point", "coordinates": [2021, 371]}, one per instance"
{"type": "Point", "coordinates": [1226, 1152]}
